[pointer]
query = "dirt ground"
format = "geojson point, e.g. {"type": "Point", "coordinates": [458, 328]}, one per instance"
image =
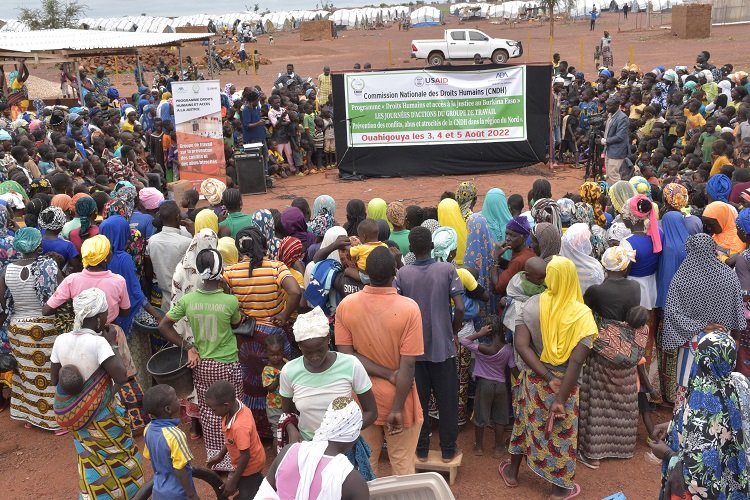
{"type": "Point", "coordinates": [36, 464]}
{"type": "Point", "coordinates": [389, 47]}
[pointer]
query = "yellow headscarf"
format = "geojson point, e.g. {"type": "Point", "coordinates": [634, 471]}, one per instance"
{"type": "Point", "coordinates": [564, 319]}
{"type": "Point", "coordinates": [94, 250]}
{"type": "Point", "coordinates": [206, 218]}
{"type": "Point", "coordinates": [449, 214]}
{"type": "Point", "coordinates": [378, 209]}
{"type": "Point", "coordinates": [228, 250]}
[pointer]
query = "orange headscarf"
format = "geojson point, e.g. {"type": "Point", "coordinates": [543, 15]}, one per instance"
{"type": "Point", "coordinates": [64, 202]}
{"type": "Point", "coordinates": [727, 239]}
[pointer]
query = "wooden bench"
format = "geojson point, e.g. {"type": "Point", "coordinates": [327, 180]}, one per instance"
{"type": "Point", "coordinates": [435, 463]}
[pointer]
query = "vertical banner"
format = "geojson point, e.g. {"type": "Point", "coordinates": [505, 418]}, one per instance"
{"type": "Point", "coordinates": [200, 141]}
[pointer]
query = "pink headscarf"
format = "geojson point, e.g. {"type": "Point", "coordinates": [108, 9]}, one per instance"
{"type": "Point", "coordinates": [641, 207]}
{"type": "Point", "coordinates": [150, 198]}
{"type": "Point", "coordinates": [35, 125]}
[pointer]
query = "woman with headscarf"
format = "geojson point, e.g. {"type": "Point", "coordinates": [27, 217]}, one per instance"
{"type": "Point", "coordinates": [213, 189]}
{"type": "Point", "coordinates": [517, 232]}
{"type": "Point", "coordinates": [294, 224]}
{"type": "Point", "coordinates": [545, 241]}
{"type": "Point", "coordinates": [449, 214]}
{"type": "Point", "coordinates": [566, 206]}
{"type": "Point", "coordinates": [553, 336]}
{"type": "Point", "coordinates": [7, 254]}
{"type": "Point", "coordinates": [646, 239]}
{"type": "Point", "coordinates": [641, 185]}
{"type": "Point", "coordinates": [583, 213]}
{"type": "Point", "coordinates": [28, 282]}
{"type": "Point", "coordinates": [608, 422]}
{"type": "Point", "coordinates": [705, 451]}
{"type": "Point", "coordinates": [479, 256]}
{"type": "Point", "coordinates": [268, 295]}
{"type": "Point", "coordinates": [673, 253]}
{"type": "Point", "coordinates": [741, 261]}
{"type": "Point", "coordinates": [718, 188]}
{"type": "Point", "coordinates": [377, 208]}
{"type": "Point", "coordinates": [206, 219]}
{"type": "Point", "coordinates": [263, 220]}
{"type": "Point", "coordinates": [591, 193]}
{"type": "Point", "coordinates": [136, 244]}
{"type": "Point", "coordinates": [228, 250]}
{"type": "Point", "coordinates": [87, 213]}
{"type": "Point", "coordinates": [290, 253]}
{"type": "Point", "coordinates": [324, 203]}
{"type": "Point", "coordinates": [466, 197]}
{"type": "Point", "coordinates": [309, 383]}
{"type": "Point", "coordinates": [719, 218]}
{"type": "Point", "coordinates": [496, 212]}
{"type": "Point", "coordinates": [212, 346]}
{"type": "Point", "coordinates": [299, 469]}
{"type": "Point", "coordinates": [547, 210]}
{"type": "Point", "coordinates": [356, 212]}
{"type": "Point", "coordinates": [576, 246]}
{"type": "Point", "coordinates": [86, 363]}
{"type": "Point", "coordinates": [126, 192]}
{"type": "Point", "coordinates": [384, 230]}
{"type": "Point", "coordinates": [703, 293]}
{"type": "Point", "coordinates": [619, 193]}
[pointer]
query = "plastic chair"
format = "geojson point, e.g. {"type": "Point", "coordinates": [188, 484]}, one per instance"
{"type": "Point", "coordinates": [424, 486]}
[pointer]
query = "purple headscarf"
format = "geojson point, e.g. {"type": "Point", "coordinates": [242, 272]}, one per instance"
{"type": "Point", "coordinates": [519, 225]}
{"type": "Point", "coordinates": [294, 224]}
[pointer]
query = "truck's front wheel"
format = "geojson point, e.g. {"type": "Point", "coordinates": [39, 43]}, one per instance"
{"type": "Point", "coordinates": [436, 59]}
{"type": "Point", "coordinates": [499, 57]}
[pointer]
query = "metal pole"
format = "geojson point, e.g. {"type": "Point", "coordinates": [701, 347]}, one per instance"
{"type": "Point", "coordinates": [179, 57]}
{"type": "Point", "coordinates": [141, 78]}
{"type": "Point", "coordinates": [77, 63]}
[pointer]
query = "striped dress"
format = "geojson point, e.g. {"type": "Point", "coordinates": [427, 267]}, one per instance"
{"type": "Point", "coordinates": [262, 297]}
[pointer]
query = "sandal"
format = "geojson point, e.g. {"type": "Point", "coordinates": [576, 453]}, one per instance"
{"type": "Point", "coordinates": [573, 493]}
{"type": "Point", "coordinates": [501, 471]}
{"type": "Point", "coordinates": [585, 461]}
{"type": "Point", "coordinates": [61, 432]}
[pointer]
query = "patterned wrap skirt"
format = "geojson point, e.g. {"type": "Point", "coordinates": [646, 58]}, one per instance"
{"type": "Point", "coordinates": [33, 394]}
{"type": "Point", "coordinates": [553, 458]}
{"type": "Point", "coordinates": [205, 374]}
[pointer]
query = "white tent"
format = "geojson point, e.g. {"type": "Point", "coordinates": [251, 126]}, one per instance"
{"type": "Point", "coordinates": [508, 10]}
{"type": "Point", "coordinates": [345, 17]}
{"type": "Point", "coordinates": [426, 16]}
{"type": "Point", "coordinates": [13, 25]}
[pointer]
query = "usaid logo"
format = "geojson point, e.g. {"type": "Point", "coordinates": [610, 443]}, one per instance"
{"type": "Point", "coordinates": [421, 81]}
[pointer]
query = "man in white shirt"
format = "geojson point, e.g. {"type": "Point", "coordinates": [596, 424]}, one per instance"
{"type": "Point", "coordinates": [166, 249]}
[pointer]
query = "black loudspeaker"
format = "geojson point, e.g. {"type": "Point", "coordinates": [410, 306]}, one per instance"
{"type": "Point", "coordinates": [251, 176]}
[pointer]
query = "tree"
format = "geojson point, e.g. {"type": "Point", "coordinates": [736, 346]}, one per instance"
{"type": "Point", "coordinates": [53, 14]}
{"type": "Point", "coordinates": [256, 8]}
{"type": "Point", "coordinates": [549, 7]}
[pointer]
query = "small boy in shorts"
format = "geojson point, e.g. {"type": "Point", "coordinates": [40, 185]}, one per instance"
{"type": "Point", "coordinates": [329, 145]}
{"type": "Point", "coordinates": [166, 446]}
{"type": "Point", "coordinates": [270, 378]}
{"type": "Point", "coordinates": [491, 400]}
{"type": "Point", "coordinates": [367, 232]}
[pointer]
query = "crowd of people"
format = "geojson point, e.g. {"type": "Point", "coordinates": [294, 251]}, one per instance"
{"type": "Point", "coordinates": [567, 319]}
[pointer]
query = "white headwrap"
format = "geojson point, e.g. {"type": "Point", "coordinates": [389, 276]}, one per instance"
{"type": "Point", "coordinates": [217, 266]}
{"type": "Point", "coordinates": [312, 325]}
{"type": "Point", "coordinates": [342, 423]}
{"type": "Point", "coordinates": [618, 258]}
{"type": "Point", "coordinates": [89, 303]}
{"type": "Point", "coordinates": [618, 231]}
{"type": "Point", "coordinates": [576, 245]}
{"type": "Point", "coordinates": [444, 241]}
{"type": "Point", "coordinates": [328, 238]}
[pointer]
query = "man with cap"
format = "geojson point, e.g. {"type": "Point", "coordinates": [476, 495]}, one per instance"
{"type": "Point", "coordinates": [616, 139]}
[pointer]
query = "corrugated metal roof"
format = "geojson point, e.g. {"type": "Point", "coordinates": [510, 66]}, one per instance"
{"type": "Point", "coordinates": [80, 40]}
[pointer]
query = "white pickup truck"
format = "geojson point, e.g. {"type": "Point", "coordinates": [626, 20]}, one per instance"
{"type": "Point", "coordinates": [466, 44]}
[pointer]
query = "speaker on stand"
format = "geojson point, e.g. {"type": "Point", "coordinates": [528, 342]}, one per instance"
{"type": "Point", "coordinates": [251, 171]}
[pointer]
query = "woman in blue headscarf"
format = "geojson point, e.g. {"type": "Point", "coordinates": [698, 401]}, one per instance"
{"type": "Point", "coordinates": [479, 255]}
{"type": "Point", "coordinates": [496, 213]}
{"type": "Point", "coordinates": [673, 253]}
{"type": "Point", "coordinates": [718, 188]}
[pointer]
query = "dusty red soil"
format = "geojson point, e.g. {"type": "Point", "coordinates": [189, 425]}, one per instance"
{"type": "Point", "coordinates": [36, 464]}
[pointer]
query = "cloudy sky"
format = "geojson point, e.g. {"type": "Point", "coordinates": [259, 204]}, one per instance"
{"type": "Point", "coordinates": [108, 8]}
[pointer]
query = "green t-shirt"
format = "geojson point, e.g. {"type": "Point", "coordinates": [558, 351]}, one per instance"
{"type": "Point", "coordinates": [237, 221]}
{"type": "Point", "coordinates": [401, 238]}
{"type": "Point", "coordinates": [210, 315]}
{"type": "Point", "coordinates": [308, 122]}
{"type": "Point", "coordinates": [707, 141]}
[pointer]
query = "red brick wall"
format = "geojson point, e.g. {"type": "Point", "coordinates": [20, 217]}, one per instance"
{"type": "Point", "coordinates": [691, 21]}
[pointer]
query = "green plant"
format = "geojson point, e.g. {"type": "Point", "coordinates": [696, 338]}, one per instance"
{"type": "Point", "coordinates": [53, 14]}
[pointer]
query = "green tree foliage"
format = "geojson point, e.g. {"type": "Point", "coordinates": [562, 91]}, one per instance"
{"type": "Point", "coordinates": [53, 14]}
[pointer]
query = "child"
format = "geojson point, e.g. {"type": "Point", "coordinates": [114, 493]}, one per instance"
{"type": "Point", "coordinates": [367, 231]}
{"type": "Point", "coordinates": [318, 138]}
{"type": "Point", "coordinates": [491, 397]}
{"type": "Point", "coordinates": [707, 139]}
{"type": "Point", "coordinates": [241, 441]}
{"type": "Point", "coordinates": [329, 147]}
{"type": "Point", "coordinates": [522, 287]}
{"type": "Point", "coordinates": [189, 201]}
{"type": "Point", "coordinates": [166, 446]}
{"type": "Point", "coordinates": [270, 377]}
